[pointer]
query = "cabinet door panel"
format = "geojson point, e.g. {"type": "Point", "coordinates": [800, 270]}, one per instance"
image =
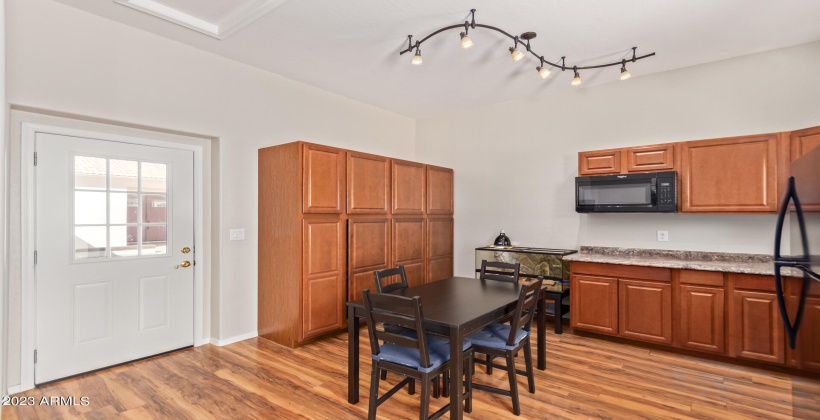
{"type": "Point", "coordinates": [409, 188]}
{"type": "Point", "coordinates": [368, 251]}
{"type": "Point", "coordinates": [701, 318]}
{"type": "Point", "coordinates": [322, 179]}
{"type": "Point", "coordinates": [368, 185]}
{"type": "Point", "coordinates": [408, 248]}
{"type": "Point", "coordinates": [323, 276]}
{"type": "Point", "coordinates": [599, 162]}
{"type": "Point", "coordinates": [807, 353]}
{"type": "Point", "coordinates": [439, 238]}
{"type": "Point", "coordinates": [757, 331]}
{"type": "Point", "coordinates": [729, 175]}
{"type": "Point", "coordinates": [594, 303]}
{"type": "Point", "coordinates": [645, 311]}
{"type": "Point", "coordinates": [439, 269]}
{"type": "Point", "coordinates": [650, 158]}
{"type": "Point", "coordinates": [803, 141]}
{"type": "Point", "coordinates": [439, 190]}
{"type": "Point", "coordinates": [322, 312]}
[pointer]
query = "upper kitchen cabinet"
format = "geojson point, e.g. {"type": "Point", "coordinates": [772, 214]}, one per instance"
{"type": "Point", "coordinates": [659, 157]}
{"type": "Point", "coordinates": [368, 183]}
{"type": "Point", "coordinates": [650, 158]}
{"type": "Point", "coordinates": [737, 174]}
{"type": "Point", "coordinates": [408, 187]}
{"type": "Point", "coordinates": [323, 171]}
{"type": "Point", "coordinates": [439, 190]}
{"type": "Point", "coordinates": [599, 162]}
{"type": "Point", "coordinates": [802, 141]}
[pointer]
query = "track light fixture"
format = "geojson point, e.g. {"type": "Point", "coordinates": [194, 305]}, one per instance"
{"type": "Point", "coordinates": [625, 74]}
{"type": "Point", "coordinates": [544, 70]}
{"type": "Point", "coordinates": [417, 58]}
{"type": "Point", "coordinates": [577, 79]}
{"type": "Point", "coordinates": [515, 52]}
{"type": "Point", "coordinates": [466, 42]}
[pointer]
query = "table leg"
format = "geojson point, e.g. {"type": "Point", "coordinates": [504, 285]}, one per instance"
{"type": "Point", "coordinates": [352, 356]}
{"type": "Point", "coordinates": [542, 333]}
{"type": "Point", "coordinates": [559, 314]}
{"type": "Point", "coordinates": [456, 372]}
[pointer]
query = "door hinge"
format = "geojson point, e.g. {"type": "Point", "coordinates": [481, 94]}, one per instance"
{"type": "Point", "coordinates": [35, 257]}
{"type": "Point", "coordinates": [35, 158]}
{"type": "Point", "coordinates": [35, 356]}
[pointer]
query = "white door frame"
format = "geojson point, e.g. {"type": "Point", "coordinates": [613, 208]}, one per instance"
{"type": "Point", "coordinates": [29, 296]}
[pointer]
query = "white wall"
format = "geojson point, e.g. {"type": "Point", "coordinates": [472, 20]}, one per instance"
{"type": "Point", "coordinates": [69, 61]}
{"type": "Point", "coordinates": [515, 163]}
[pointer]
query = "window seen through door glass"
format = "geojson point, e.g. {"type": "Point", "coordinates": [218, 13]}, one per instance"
{"type": "Point", "coordinates": [113, 215]}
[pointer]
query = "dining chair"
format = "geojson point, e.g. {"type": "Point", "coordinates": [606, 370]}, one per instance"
{"type": "Point", "coordinates": [415, 355]}
{"type": "Point", "coordinates": [505, 340]}
{"type": "Point", "coordinates": [382, 278]}
{"type": "Point", "coordinates": [499, 271]}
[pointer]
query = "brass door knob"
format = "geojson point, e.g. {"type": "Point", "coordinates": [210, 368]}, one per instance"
{"type": "Point", "coordinates": [184, 264]}
{"type": "Point", "coordinates": [186, 250]}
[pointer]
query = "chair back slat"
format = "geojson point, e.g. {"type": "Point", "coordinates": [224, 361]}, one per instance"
{"type": "Point", "coordinates": [391, 279]}
{"type": "Point", "coordinates": [524, 309]}
{"type": "Point", "coordinates": [499, 271]}
{"type": "Point", "coordinates": [396, 310]}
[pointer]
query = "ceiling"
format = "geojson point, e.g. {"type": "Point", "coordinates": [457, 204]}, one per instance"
{"type": "Point", "coordinates": [351, 47]}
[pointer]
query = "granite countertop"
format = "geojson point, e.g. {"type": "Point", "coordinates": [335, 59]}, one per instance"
{"type": "Point", "coordinates": [688, 260]}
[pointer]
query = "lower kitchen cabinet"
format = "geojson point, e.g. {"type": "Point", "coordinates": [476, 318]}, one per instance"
{"type": "Point", "coordinates": [756, 329]}
{"type": "Point", "coordinates": [734, 315]}
{"type": "Point", "coordinates": [701, 318]}
{"type": "Point", "coordinates": [594, 303]}
{"type": "Point", "coordinates": [645, 311]}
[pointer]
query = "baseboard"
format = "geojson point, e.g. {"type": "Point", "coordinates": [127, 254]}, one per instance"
{"type": "Point", "coordinates": [15, 389]}
{"type": "Point", "coordinates": [234, 339]}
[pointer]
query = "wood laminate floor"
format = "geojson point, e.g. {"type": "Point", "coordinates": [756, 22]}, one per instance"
{"type": "Point", "coordinates": [585, 377]}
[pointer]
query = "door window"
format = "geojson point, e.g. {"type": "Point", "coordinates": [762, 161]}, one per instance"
{"type": "Point", "coordinates": [120, 208]}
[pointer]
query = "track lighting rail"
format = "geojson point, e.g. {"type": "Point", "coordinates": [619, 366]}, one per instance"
{"type": "Point", "coordinates": [516, 42]}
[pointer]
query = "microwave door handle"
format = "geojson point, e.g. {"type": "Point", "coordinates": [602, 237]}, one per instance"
{"type": "Point", "coordinates": [653, 192]}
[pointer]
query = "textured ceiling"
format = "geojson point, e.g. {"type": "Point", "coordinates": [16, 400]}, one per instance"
{"type": "Point", "coordinates": [351, 47]}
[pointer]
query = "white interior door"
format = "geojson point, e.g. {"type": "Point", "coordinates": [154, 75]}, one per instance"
{"type": "Point", "coordinates": [114, 223]}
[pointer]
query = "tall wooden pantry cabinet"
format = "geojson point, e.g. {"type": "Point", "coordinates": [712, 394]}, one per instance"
{"type": "Point", "coordinates": [329, 218]}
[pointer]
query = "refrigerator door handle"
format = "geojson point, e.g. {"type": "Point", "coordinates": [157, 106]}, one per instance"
{"type": "Point", "coordinates": [780, 261]}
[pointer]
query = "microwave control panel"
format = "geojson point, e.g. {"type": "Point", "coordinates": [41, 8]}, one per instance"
{"type": "Point", "coordinates": [667, 193]}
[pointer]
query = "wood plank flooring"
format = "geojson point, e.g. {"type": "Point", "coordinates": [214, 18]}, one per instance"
{"type": "Point", "coordinates": [585, 377]}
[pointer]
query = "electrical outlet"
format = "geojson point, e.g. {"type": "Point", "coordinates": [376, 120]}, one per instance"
{"type": "Point", "coordinates": [237, 234]}
{"type": "Point", "coordinates": [663, 236]}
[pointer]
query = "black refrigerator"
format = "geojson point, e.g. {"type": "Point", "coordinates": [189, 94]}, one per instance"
{"type": "Point", "coordinates": [798, 282]}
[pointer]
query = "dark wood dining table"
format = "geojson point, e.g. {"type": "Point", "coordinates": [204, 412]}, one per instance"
{"type": "Point", "coordinates": [454, 308]}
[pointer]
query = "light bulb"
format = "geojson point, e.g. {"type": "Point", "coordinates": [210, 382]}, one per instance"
{"type": "Point", "coordinates": [544, 72]}
{"type": "Point", "coordinates": [516, 54]}
{"type": "Point", "coordinates": [576, 80]}
{"type": "Point", "coordinates": [416, 58]}
{"type": "Point", "coordinates": [466, 42]}
{"type": "Point", "coordinates": [625, 73]}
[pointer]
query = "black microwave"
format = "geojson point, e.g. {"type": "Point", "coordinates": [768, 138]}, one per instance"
{"type": "Point", "coordinates": [653, 192]}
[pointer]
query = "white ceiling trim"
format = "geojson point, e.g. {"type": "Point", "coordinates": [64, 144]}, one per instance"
{"type": "Point", "coordinates": [220, 30]}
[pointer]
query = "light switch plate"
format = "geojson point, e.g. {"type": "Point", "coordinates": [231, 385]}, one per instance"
{"type": "Point", "coordinates": [237, 234]}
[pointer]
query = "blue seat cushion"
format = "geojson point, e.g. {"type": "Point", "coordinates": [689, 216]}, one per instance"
{"type": "Point", "coordinates": [438, 344]}
{"type": "Point", "coordinates": [406, 356]}
{"type": "Point", "coordinates": [495, 336]}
